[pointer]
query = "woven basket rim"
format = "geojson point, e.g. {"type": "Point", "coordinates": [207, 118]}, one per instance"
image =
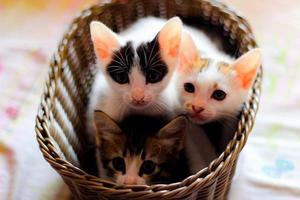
{"type": "Point", "coordinates": [209, 173]}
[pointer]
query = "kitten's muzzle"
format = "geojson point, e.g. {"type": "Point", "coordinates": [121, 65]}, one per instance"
{"type": "Point", "coordinates": [139, 102]}
{"type": "Point", "coordinates": [197, 109]}
{"type": "Point", "coordinates": [130, 180]}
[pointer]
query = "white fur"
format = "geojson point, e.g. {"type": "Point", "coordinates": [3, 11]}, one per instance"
{"type": "Point", "coordinates": [204, 83]}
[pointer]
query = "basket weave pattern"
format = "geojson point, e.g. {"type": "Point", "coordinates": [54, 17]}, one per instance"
{"type": "Point", "coordinates": [64, 103]}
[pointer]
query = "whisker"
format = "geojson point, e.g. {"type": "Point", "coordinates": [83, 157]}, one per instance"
{"type": "Point", "coordinates": [119, 57]}
{"type": "Point", "coordinates": [145, 57]}
{"type": "Point", "coordinates": [152, 49]}
{"type": "Point", "coordinates": [155, 56]}
{"type": "Point", "coordinates": [126, 53]}
{"type": "Point", "coordinates": [157, 65]}
{"type": "Point", "coordinates": [154, 69]}
{"type": "Point", "coordinates": [156, 61]}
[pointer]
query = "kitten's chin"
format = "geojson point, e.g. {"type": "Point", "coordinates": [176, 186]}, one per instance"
{"type": "Point", "coordinates": [138, 106]}
{"type": "Point", "coordinates": [200, 120]}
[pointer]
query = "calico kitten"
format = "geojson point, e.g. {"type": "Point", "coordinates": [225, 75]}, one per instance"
{"type": "Point", "coordinates": [141, 149]}
{"type": "Point", "coordinates": [211, 88]}
{"type": "Point", "coordinates": [135, 67]}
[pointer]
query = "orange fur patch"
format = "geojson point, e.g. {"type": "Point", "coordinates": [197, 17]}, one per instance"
{"type": "Point", "coordinates": [200, 63]}
{"type": "Point", "coordinates": [225, 68]}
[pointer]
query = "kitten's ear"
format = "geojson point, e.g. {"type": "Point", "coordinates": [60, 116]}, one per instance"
{"type": "Point", "coordinates": [188, 52]}
{"type": "Point", "coordinates": [247, 66]}
{"type": "Point", "coordinates": [106, 128]}
{"type": "Point", "coordinates": [169, 37]}
{"type": "Point", "coordinates": [105, 41]}
{"type": "Point", "coordinates": [172, 135]}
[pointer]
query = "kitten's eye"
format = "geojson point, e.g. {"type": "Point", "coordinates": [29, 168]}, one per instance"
{"type": "Point", "coordinates": [218, 95]}
{"type": "Point", "coordinates": [121, 78]}
{"type": "Point", "coordinates": [153, 77]}
{"type": "Point", "coordinates": [148, 167]}
{"type": "Point", "coordinates": [119, 164]}
{"type": "Point", "coordinates": [189, 87]}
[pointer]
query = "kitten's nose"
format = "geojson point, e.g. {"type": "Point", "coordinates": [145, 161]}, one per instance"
{"type": "Point", "coordinates": [138, 100]}
{"type": "Point", "coordinates": [138, 96]}
{"type": "Point", "coordinates": [197, 109]}
{"type": "Point", "coordinates": [130, 180]}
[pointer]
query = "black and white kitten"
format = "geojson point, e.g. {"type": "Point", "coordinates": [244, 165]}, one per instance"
{"type": "Point", "coordinates": [135, 67]}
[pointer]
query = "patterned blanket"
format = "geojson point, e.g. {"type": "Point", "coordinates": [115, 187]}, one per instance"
{"type": "Point", "coordinates": [269, 166]}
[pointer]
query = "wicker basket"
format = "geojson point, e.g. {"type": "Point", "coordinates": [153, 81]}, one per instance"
{"type": "Point", "coordinates": [61, 121]}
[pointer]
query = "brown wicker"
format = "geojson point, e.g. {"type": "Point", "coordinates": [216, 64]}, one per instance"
{"type": "Point", "coordinates": [61, 124]}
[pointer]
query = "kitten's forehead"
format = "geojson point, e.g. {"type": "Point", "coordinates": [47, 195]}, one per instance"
{"type": "Point", "coordinates": [208, 64]}
{"type": "Point", "coordinates": [202, 64]}
{"type": "Point", "coordinates": [209, 74]}
{"type": "Point", "coordinates": [224, 67]}
{"type": "Point", "coordinates": [145, 55]}
{"type": "Point", "coordinates": [211, 67]}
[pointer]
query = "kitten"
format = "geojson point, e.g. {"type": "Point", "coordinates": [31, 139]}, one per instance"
{"type": "Point", "coordinates": [214, 87]}
{"type": "Point", "coordinates": [141, 149]}
{"type": "Point", "coordinates": [134, 67]}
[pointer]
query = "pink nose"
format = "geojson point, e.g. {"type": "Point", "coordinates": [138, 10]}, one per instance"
{"type": "Point", "coordinates": [138, 100]}
{"type": "Point", "coordinates": [197, 109]}
{"type": "Point", "coordinates": [130, 180]}
{"type": "Point", "coordinates": [138, 97]}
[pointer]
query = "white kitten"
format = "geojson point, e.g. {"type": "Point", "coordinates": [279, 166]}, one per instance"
{"type": "Point", "coordinates": [214, 87]}
{"type": "Point", "coordinates": [135, 67]}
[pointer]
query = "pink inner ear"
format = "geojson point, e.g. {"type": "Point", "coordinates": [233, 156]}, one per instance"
{"type": "Point", "coordinates": [169, 37]}
{"type": "Point", "coordinates": [247, 66]}
{"type": "Point", "coordinates": [103, 50]}
{"type": "Point", "coordinates": [105, 40]}
{"type": "Point", "coordinates": [246, 78]}
{"type": "Point", "coordinates": [174, 47]}
{"type": "Point", "coordinates": [188, 54]}
{"type": "Point", "coordinates": [170, 46]}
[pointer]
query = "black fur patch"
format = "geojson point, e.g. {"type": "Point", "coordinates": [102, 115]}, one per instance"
{"type": "Point", "coordinates": [151, 63]}
{"type": "Point", "coordinates": [138, 129]}
{"type": "Point", "coordinates": [121, 64]}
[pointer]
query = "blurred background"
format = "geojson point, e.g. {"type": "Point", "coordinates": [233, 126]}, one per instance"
{"type": "Point", "coordinates": [269, 166]}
